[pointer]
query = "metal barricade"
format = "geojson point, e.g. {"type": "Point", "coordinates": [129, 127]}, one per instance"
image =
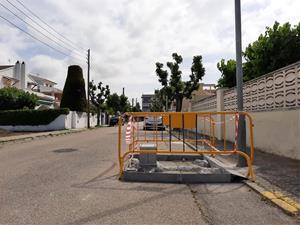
{"type": "Point", "coordinates": [195, 130]}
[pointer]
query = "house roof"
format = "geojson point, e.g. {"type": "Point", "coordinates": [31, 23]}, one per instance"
{"type": "Point", "coordinates": [41, 95]}
{"type": "Point", "coordinates": [44, 89]}
{"type": "Point", "coordinates": [40, 80]}
{"type": "Point", "coordinates": [147, 95]}
{"type": "Point", "coordinates": [5, 66]}
{"type": "Point", "coordinates": [10, 78]}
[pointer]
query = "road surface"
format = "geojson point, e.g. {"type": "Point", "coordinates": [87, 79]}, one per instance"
{"type": "Point", "coordinates": [72, 179]}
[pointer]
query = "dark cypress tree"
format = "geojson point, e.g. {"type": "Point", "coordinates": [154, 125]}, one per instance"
{"type": "Point", "coordinates": [74, 96]}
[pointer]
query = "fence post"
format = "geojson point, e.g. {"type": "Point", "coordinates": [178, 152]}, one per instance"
{"type": "Point", "coordinates": [220, 121]}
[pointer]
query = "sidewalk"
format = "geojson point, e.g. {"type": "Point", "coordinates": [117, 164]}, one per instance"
{"type": "Point", "coordinates": [279, 171]}
{"type": "Point", "coordinates": [274, 172]}
{"type": "Point", "coordinates": [30, 136]}
{"type": "Point", "coordinates": [277, 177]}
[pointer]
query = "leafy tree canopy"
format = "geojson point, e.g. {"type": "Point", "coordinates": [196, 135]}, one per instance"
{"type": "Point", "coordinates": [227, 70]}
{"type": "Point", "coordinates": [156, 102]}
{"type": "Point", "coordinates": [13, 98]}
{"type": "Point", "coordinates": [74, 96]}
{"type": "Point", "coordinates": [173, 86]}
{"type": "Point", "coordinates": [117, 104]}
{"type": "Point", "coordinates": [113, 103]}
{"type": "Point", "coordinates": [98, 99]}
{"type": "Point", "coordinates": [136, 108]}
{"type": "Point", "coordinates": [279, 46]}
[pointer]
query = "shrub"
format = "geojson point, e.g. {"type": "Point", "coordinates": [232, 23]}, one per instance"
{"type": "Point", "coordinates": [74, 96]}
{"type": "Point", "coordinates": [13, 98]}
{"type": "Point", "coordinates": [30, 116]}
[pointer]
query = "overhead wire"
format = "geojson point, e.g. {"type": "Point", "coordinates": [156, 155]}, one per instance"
{"type": "Point", "coordinates": [68, 42]}
{"type": "Point", "coordinates": [57, 43]}
{"type": "Point", "coordinates": [41, 41]}
{"type": "Point", "coordinates": [34, 14]}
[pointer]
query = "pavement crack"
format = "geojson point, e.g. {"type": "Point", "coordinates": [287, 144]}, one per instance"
{"type": "Point", "coordinates": [202, 211]}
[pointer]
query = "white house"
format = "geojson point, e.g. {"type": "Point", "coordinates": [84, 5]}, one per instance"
{"type": "Point", "coordinates": [15, 75]}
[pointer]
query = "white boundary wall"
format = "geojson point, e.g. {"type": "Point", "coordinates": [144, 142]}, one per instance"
{"type": "Point", "coordinates": [276, 132]}
{"type": "Point", "coordinates": [74, 120]}
{"type": "Point", "coordinates": [273, 101]}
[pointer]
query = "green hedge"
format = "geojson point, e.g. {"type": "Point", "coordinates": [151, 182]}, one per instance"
{"type": "Point", "coordinates": [74, 95]}
{"type": "Point", "coordinates": [30, 116]}
{"type": "Point", "coordinates": [12, 98]}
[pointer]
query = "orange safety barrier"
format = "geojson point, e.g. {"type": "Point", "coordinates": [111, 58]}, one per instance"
{"type": "Point", "coordinates": [196, 131]}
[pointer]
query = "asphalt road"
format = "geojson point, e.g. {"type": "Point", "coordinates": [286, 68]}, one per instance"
{"type": "Point", "coordinates": [72, 179]}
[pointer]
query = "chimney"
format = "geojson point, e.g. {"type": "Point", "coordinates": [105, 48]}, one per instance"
{"type": "Point", "coordinates": [23, 78]}
{"type": "Point", "coordinates": [123, 91]}
{"type": "Point", "coordinates": [17, 71]}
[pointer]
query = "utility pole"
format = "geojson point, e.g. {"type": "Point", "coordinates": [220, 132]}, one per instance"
{"type": "Point", "coordinates": [88, 89]}
{"type": "Point", "coordinates": [241, 138]}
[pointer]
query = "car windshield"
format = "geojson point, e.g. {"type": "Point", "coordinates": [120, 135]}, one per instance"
{"type": "Point", "coordinates": [154, 119]}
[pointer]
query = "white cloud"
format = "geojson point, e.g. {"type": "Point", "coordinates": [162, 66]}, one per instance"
{"type": "Point", "coordinates": [49, 68]}
{"type": "Point", "coordinates": [11, 42]}
{"type": "Point", "coordinates": [127, 37]}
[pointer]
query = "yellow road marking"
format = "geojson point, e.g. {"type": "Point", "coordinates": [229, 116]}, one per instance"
{"type": "Point", "coordinates": [283, 202]}
{"type": "Point", "coordinates": [287, 199]}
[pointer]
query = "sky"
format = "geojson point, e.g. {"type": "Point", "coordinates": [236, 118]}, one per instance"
{"type": "Point", "coordinates": [127, 37]}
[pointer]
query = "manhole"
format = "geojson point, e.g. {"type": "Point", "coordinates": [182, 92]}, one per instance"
{"type": "Point", "coordinates": [64, 150]}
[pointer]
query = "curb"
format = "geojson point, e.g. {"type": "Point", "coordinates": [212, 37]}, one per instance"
{"type": "Point", "coordinates": [39, 135]}
{"type": "Point", "coordinates": [286, 204]}
{"type": "Point", "coordinates": [283, 202]}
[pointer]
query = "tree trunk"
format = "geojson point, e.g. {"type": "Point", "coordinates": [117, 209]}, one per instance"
{"type": "Point", "coordinates": [179, 99]}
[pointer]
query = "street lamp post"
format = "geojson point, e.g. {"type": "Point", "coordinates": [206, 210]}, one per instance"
{"type": "Point", "coordinates": [241, 139]}
{"type": "Point", "coordinates": [88, 88]}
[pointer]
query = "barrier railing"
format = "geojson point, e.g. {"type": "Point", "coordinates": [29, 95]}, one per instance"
{"type": "Point", "coordinates": [195, 130]}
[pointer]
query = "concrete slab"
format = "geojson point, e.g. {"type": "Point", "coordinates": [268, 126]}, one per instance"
{"type": "Point", "coordinates": [181, 170]}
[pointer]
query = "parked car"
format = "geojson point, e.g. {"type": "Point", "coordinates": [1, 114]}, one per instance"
{"type": "Point", "coordinates": [154, 123]}
{"type": "Point", "coordinates": [114, 120]}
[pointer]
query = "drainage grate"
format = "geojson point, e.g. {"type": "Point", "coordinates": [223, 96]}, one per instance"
{"type": "Point", "coordinates": [65, 150]}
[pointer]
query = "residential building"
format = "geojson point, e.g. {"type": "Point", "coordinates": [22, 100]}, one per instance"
{"type": "Point", "coordinates": [15, 76]}
{"type": "Point", "coordinates": [146, 102]}
{"type": "Point", "coordinates": [202, 92]}
{"type": "Point", "coordinates": [45, 86]}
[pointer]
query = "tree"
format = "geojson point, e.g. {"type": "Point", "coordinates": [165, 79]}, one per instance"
{"type": "Point", "coordinates": [165, 96]}
{"type": "Point", "coordinates": [136, 108]}
{"type": "Point", "coordinates": [12, 98]}
{"type": "Point", "coordinates": [118, 104]}
{"type": "Point", "coordinates": [124, 104]}
{"type": "Point", "coordinates": [156, 102]}
{"type": "Point", "coordinates": [174, 87]}
{"type": "Point", "coordinates": [279, 46]}
{"type": "Point", "coordinates": [228, 71]}
{"type": "Point", "coordinates": [74, 96]}
{"type": "Point", "coordinates": [98, 99]}
{"type": "Point", "coordinates": [113, 103]}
